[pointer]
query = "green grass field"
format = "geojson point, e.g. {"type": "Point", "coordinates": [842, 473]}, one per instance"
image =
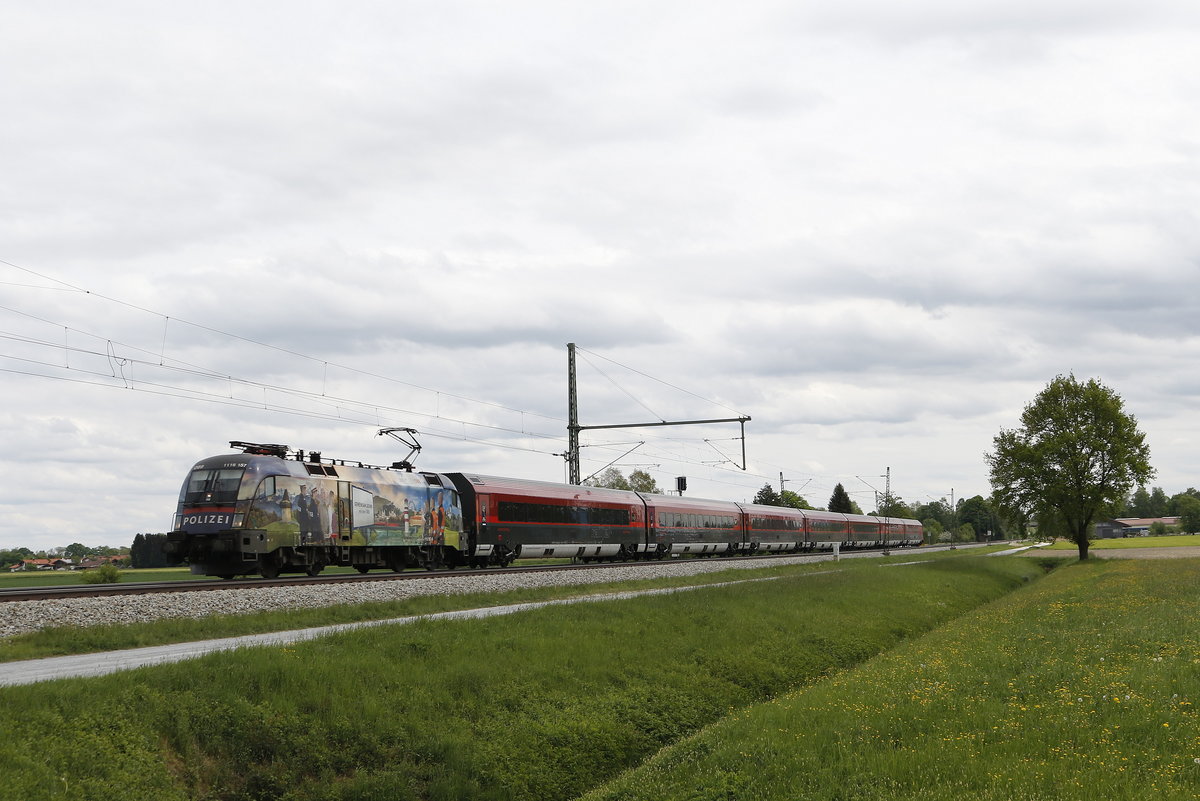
{"type": "Point", "coordinates": [541, 705]}
{"type": "Point", "coordinates": [1172, 541]}
{"type": "Point", "coordinates": [1082, 686]}
{"type": "Point", "coordinates": [55, 578]}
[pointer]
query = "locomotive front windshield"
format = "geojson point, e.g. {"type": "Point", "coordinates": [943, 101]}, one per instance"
{"type": "Point", "coordinates": [206, 485]}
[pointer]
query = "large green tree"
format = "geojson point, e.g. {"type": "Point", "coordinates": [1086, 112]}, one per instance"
{"type": "Point", "coordinates": [840, 501]}
{"type": "Point", "coordinates": [892, 505]}
{"type": "Point", "coordinates": [610, 478]}
{"type": "Point", "coordinates": [979, 513]}
{"type": "Point", "coordinates": [1176, 505]}
{"type": "Point", "coordinates": [794, 500]}
{"type": "Point", "coordinates": [1189, 514]}
{"type": "Point", "coordinates": [767, 496]}
{"type": "Point", "coordinates": [938, 511]}
{"type": "Point", "coordinates": [76, 551]}
{"type": "Point", "coordinates": [147, 551]}
{"type": "Point", "coordinates": [1073, 460]}
{"type": "Point", "coordinates": [641, 481]}
{"type": "Point", "coordinates": [1148, 504]}
{"type": "Point", "coordinates": [1159, 503]}
{"type": "Point", "coordinates": [1139, 504]}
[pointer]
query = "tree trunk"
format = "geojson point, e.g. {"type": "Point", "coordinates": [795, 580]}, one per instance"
{"type": "Point", "coordinates": [1083, 550]}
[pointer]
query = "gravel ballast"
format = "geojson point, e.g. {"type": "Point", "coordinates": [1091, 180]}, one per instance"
{"type": "Point", "coordinates": [20, 617]}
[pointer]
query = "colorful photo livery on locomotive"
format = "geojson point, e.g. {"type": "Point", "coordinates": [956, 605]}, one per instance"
{"type": "Point", "coordinates": [271, 510]}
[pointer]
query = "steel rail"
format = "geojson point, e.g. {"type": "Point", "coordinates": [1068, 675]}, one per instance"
{"type": "Point", "coordinates": [209, 584]}
{"type": "Point", "coordinates": [63, 591]}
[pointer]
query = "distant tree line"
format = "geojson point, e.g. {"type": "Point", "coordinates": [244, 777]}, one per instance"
{"type": "Point", "coordinates": [147, 551]}
{"type": "Point", "coordinates": [971, 519]}
{"type": "Point", "coordinates": [76, 552]}
{"type": "Point", "coordinates": [1155, 503]}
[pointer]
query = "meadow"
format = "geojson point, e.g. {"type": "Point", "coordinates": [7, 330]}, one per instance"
{"type": "Point", "coordinates": [1168, 541]}
{"type": "Point", "coordinates": [546, 704]}
{"type": "Point", "coordinates": [56, 578]}
{"type": "Point", "coordinates": [1082, 686]}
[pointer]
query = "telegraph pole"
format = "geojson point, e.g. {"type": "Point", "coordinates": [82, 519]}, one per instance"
{"type": "Point", "coordinates": [572, 418]}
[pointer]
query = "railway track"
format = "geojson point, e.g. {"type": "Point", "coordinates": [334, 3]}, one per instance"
{"type": "Point", "coordinates": [207, 585]}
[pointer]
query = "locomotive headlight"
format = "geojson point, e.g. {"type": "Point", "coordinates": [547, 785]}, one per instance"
{"type": "Point", "coordinates": [178, 522]}
{"type": "Point", "coordinates": [237, 520]}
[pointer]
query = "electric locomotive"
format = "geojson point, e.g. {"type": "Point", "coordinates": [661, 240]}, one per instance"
{"type": "Point", "coordinates": [271, 510]}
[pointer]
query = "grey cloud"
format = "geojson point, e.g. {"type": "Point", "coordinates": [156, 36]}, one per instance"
{"type": "Point", "coordinates": [930, 19]}
{"type": "Point", "coordinates": [879, 230]}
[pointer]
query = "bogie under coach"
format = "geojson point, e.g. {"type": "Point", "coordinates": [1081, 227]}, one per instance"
{"type": "Point", "coordinates": [270, 510]}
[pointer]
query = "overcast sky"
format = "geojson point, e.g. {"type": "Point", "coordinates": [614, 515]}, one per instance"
{"type": "Point", "coordinates": [879, 229]}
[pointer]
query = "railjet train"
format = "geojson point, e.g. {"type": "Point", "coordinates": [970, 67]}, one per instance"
{"type": "Point", "coordinates": [270, 510]}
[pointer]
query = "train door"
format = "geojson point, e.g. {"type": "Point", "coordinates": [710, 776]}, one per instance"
{"type": "Point", "coordinates": [343, 511]}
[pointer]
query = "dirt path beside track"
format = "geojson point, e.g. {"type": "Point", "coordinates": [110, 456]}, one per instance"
{"type": "Point", "coordinates": [1184, 552]}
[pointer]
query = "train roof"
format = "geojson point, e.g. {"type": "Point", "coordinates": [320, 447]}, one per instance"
{"type": "Point", "coordinates": [292, 465]}
{"type": "Point", "coordinates": [550, 489]}
{"type": "Point", "coordinates": [765, 509]}
{"type": "Point", "coordinates": [698, 505]}
{"type": "Point", "coordinates": [547, 489]}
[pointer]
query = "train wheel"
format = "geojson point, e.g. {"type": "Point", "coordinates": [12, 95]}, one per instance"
{"type": "Point", "coordinates": [314, 569]}
{"type": "Point", "coordinates": [225, 576]}
{"type": "Point", "coordinates": [362, 568]}
{"type": "Point", "coordinates": [269, 569]}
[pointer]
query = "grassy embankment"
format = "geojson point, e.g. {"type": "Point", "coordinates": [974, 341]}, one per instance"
{"type": "Point", "coordinates": [65, 640]}
{"type": "Point", "coordinates": [1080, 687]}
{"type": "Point", "coordinates": [541, 705]}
